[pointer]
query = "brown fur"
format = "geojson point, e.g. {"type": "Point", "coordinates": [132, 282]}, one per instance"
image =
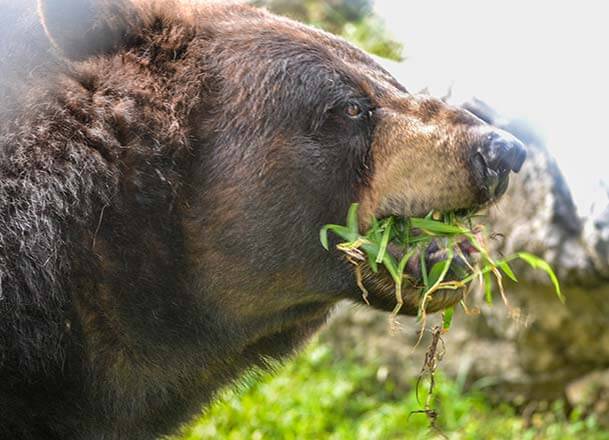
{"type": "Point", "coordinates": [164, 180]}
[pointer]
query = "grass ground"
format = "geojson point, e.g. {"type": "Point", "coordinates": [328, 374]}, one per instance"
{"type": "Point", "coordinates": [316, 396]}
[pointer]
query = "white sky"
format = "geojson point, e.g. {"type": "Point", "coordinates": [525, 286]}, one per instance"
{"type": "Point", "coordinates": [545, 61]}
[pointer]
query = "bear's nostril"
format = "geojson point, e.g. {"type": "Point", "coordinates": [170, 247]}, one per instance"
{"type": "Point", "coordinates": [503, 152]}
{"type": "Point", "coordinates": [492, 162]}
{"type": "Point", "coordinates": [516, 157]}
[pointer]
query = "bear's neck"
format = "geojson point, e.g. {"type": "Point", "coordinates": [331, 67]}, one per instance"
{"type": "Point", "coordinates": [91, 173]}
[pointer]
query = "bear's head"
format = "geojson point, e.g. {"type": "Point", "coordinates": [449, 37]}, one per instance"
{"type": "Point", "coordinates": [268, 130]}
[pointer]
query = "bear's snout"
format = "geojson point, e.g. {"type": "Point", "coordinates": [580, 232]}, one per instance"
{"type": "Point", "coordinates": [492, 162]}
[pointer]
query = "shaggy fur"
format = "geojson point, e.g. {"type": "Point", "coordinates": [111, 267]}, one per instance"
{"type": "Point", "coordinates": [164, 171]}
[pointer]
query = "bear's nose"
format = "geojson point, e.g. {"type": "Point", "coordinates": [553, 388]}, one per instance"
{"type": "Point", "coordinates": [499, 154]}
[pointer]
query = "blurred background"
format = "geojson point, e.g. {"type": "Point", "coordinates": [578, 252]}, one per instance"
{"type": "Point", "coordinates": [539, 70]}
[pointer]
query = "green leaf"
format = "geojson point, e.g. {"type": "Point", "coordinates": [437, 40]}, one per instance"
{"type": "Point", "coordinates": [392, 268]}
{"type": "Point", "coordinates": [372, 262]}
{"type": "Point", "coordinates": [422, 239]}
{"type": "Point", "coordinates": [341, 231]}
{"type": "Point", "coordinates": [323, 237]}
{"type": "Point", "coordinates": [384, 240]}
{"type": "Point", "coordinates": [450, 218]}
{"type": "Point", "coordinates": [374, 233]}
{"type": "Point", "coordinates": [538, 263]}
{"type": "Point", "coordinates": [438, 272]}
{"type": "Point", "coordinates": [371, 249]}
{"type": "Point", "coordinates": [488, 292]}
{"type": "Point", "coordinates": [375, 224]}
{"type": "Point", "coordinates": [447, 317]}
{"type": "Point", "coordinates": [352, 223]}
{"type": "Point", "coordinates": [435, 227]}
{"type": "Point", "coordinates": [505, 267]}
{"type": "Point", "coordinates": [406, 235]}
{"type": "Point", "coordinates": [404, 261]}
{"type": "Point", "coordinates": [424, 269]}
{"type": "Point", "coordinates": [478, 246]}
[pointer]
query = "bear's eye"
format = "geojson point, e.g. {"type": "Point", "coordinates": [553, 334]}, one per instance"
{"type": "Point", "coordinates": [353, 110]}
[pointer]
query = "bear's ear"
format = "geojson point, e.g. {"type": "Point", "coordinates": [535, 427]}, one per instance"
{"type": "Point", "coordinates": [83, 28]}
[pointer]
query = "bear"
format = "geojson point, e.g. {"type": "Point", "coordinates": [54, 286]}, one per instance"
{"type": "Point", "coordinates": [165, 169]}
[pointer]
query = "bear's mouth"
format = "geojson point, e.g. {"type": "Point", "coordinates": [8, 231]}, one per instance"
{"type": "Point", "coordinates": [464, 257]}
{"type": "Point", "coordinates": [379, 287]}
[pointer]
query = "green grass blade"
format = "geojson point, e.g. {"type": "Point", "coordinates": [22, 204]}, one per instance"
{"type": "Point", "coordinates": [392, 268]}
{"type": "Point", "coordinates": [434, 227]}
{"type": "Point", "coordinates": [438, 272]}
{"type": "Point", "coordinates": [352, 223]}
{"type": "Point", "coordinates": [323, 237]}
{"type": "Point", "coordinates": [488, 267]}
{"type": "Point", "coordinates": [375, 232]}
{"type": "Point", "coordinates": [424, 269]}
{"type": "Point", "coordinates": [420, 240]}
{"type": "Point", "coordinates": [447, 317]}
{"type": "Point", "coordinates": [371, 249]}
{"type": "Point", "coordinates": [339, 230]}
{"type": "Point", "coordinates": [505, 267]}
{"type": "Point", "coordinates": [488, 292]}
{"type": "Point", "coordinates": [404, 260]}
{"type": "Point", "coordinates": [537, 263]}
{"type": "Point", "coordinates": [476, 244]}
{"type": "Point", "coordinates": [375, 224]}
{"type": "Point", "coordinates": [450, 218]}
{"type": "Point", "coordinates": [372, 263]}
{"type": "Point", "coordinates": [406, 235]}
{"type": "Point", "coordinates": [384, 240]}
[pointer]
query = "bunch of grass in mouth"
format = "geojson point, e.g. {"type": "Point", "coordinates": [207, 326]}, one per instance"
{"type": "Point", "coordinates": [450, 232]}
{"type": "Point", "coordinates": [412, 237]}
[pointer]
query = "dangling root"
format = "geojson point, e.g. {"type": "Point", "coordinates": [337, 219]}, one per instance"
{"type": "Point", "coordinates": [433, 356]}
{"type": "Point", "coordinates": [514, 312]}
{"type": "Point", "coordinates": [448, 285]}
{"type": "Point", "coordinates": [359, 279]}
{"type": "Point", "coordinates": [355, 257]}
{"type": "Point", "coordinates": [394, 325]}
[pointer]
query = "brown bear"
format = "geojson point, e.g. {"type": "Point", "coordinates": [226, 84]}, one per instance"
{"type": "Point", "coordinates": [165, 169]}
